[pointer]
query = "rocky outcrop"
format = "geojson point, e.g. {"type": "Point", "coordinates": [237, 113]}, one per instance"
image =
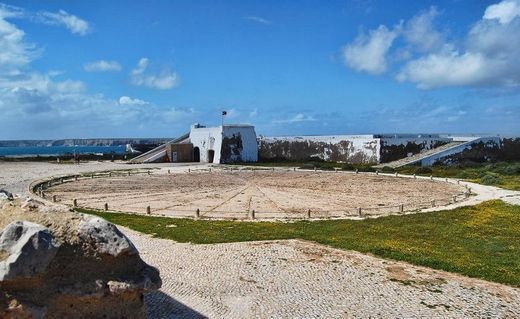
{"type": "Point", "coordinates": [58, 264]}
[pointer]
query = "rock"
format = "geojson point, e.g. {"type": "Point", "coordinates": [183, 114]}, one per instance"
{"type": "Point", "coordinates": [5, 195]}
{"type": "Point", "coordinates": [29, 248]}
{"type": "Point", "coordinates": [89, 269]}
{"type": "Point", "coordinates": [105, 237]}
{"type": "Point", "coordinates": [31, 204]}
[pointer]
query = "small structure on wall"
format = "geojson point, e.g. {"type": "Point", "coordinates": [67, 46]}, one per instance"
{"type": "Point", "coordinates": [222, 144]}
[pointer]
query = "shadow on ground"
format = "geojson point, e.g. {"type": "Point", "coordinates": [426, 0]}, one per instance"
{"type": "Point", "coordinates": [160, 305]}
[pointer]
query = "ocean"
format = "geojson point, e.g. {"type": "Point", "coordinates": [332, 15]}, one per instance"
{"type": "Point", "coordinates": [60, 150]}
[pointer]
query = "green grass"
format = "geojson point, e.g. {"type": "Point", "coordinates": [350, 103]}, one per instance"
{"type": "Point", "coordinates": [481, 241]}
{"type": "Point", "coordinates": [505, 175]}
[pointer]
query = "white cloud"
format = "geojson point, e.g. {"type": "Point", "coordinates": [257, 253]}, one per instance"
{"type": "Point", "coordinates": [420, 32]}
{"type": "Point", "coordinates": [102, 66]}
{"type": "Point", "coordinates": [258, 20]}
{"type": "Point", "coordinates": [126, 100]}
{"type": "Point", "coordinates": [163, 80]}
{"type": "Point", "coordinates": [75, 24]}
{"type": "Point", "coordinates": [34, 104]}
{"type": "Point", "coordinates": [487, 59]}
{"type": "Point", "coordinates": [504, 11]}
{"type": "Point", "coordinates": [15, 53]}
{"type": "Point", "coordinates": [368, 53]}
{"type": "Point", "coordinates": [300, 117]}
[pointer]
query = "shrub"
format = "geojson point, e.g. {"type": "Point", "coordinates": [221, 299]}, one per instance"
{"type": "Point", "coordinates": [387, 169]}
{"type": "Point", "coordinates": [423, 170]}
{"type": "Point", "coordinates": [348, 167]}
{"type": "Point", "coordinates": [490, 179]}
{"type": "Point", "coordinates": [509, 169]}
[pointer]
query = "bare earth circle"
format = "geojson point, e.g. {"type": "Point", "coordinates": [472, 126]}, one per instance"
{"type": "Point", "coordinates": [222, 194]}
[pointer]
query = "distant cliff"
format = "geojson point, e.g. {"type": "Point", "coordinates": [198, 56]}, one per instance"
{"type": "Point", "coordinates": [84, 142]}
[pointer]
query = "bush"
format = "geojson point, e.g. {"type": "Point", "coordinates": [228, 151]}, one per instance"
{"type": "Point", "coordinates": [423, 170]}
{"type": "Point", "coordinates": [490, 179]}
{"type": "Point", "coordinates": [509, 169]}
{"type": "Point", "coordinates": [348, 167]}
{"type": "Point", "coordinates": [387, 169]}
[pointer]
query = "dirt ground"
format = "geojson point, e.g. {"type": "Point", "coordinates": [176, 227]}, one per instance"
{"type": "Point", "coordinates": [224, 194]}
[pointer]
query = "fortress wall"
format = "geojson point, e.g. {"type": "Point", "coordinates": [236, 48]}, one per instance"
{"type": "Point", "coordinates": [337, 148]}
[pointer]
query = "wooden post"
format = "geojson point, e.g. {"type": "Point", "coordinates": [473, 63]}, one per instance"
{"type": "Point", "coordinates": [106, 206]}
{"type": "Point", "coordinates": [401, 208]}
{"type": "Point", "coordinates": [75, 202]}
{"type": "Point", "coordinates": [308, 213]}
{"type": "Point", "coordinates": [197, 213]}
{"type": "Point", "coordinates": [253, 214]}
{"type": "Point", "coordinates": [433, 202]}
{"type": "Point", "coordinates": [91, 175]}
{"type": "Point", "coordinates": [54, 199]}
{"type": "Point", "coordinates": [359, 212]}
{"type": "Point", "coordinates": [148, 210]}
{"type": "Point", "coordinates": [168, 171]}
{"type": "Point", "coordinates": [189, 170]}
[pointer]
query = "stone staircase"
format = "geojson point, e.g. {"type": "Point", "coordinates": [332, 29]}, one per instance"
{"type": "Point", "coordinates": [420, 156]}
{"type": "Point", "coordinates": [159, 152]}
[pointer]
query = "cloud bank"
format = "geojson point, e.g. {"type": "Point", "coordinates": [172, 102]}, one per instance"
{"type": "Point", "coordinates": [485, 57]}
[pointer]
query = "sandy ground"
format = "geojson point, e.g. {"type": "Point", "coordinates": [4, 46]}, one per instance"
{"type": "Point", "coordinates": [278, 194]}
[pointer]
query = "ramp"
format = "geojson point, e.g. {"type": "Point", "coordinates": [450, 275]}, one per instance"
{"type": "Point", "coordinates": [158, 153]}
{"type": "Point", "coordinates": [423, 155]}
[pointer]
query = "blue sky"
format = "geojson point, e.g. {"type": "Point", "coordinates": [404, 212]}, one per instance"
{"type": "Point", "coordinates": [79, 69]}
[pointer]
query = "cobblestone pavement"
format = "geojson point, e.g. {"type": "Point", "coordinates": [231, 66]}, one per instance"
{"type": "Point", "coordinates": [297, 279]}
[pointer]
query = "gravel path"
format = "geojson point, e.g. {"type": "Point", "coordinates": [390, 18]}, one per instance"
{"type": "Point", "coordinates": [297, 279]}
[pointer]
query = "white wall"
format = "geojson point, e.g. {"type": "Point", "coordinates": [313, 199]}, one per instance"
{"type": "Point", "coordinates": [210, 138]}
{"type": "Point", "coordinates": [207, 138]}
{"type": "Point", "coordinates": [249, 152]}
{"type": "Point", "coordinates": [361, 148]}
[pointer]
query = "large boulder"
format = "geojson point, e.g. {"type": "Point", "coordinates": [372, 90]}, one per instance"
{"type": "Point", "coordinates": [29, 248]}
{"type": "Point", "coordinates": [59, 264]}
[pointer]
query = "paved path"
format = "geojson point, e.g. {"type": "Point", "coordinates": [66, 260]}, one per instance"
{"type": "Point", "coordinates": [297, 279]}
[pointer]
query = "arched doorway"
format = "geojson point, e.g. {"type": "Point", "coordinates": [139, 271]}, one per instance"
{"type": "Point", "coordinates": [211, 156]}
{"type": "Point", "coordinates": [196, 154]}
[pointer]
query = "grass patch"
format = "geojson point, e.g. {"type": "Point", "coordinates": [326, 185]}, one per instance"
{"type": "Point", "coordinates": [503, 174]}
{"type": "Point", "coordinates": [481, 241]}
